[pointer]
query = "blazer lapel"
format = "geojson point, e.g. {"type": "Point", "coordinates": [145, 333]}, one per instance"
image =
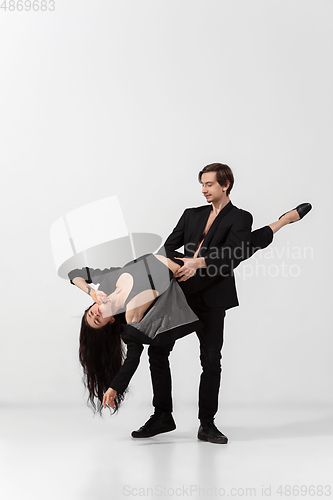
{"type": "Point", "coordinates": [200, 226]}
{"type": "Point", "coordinates": [225, 210]}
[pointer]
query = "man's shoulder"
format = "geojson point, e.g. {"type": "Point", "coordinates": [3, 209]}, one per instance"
{"type": "Point", "coordinates": [241, 210]}
{"type": "Point", "coordinates": [198, 210]}
{"type": "Point", "coordinates": [240, 213]}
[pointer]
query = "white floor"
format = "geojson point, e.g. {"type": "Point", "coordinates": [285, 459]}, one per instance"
{"type": "Point", "coordinates": [62, 453]}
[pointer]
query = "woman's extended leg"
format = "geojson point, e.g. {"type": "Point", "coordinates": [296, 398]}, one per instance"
{"type": "Point", "coordinates": [167, 262]}
{"type": "Point", "coordinates": [291, 216]}
{"type": "Point", "coordinates": [260, 239]}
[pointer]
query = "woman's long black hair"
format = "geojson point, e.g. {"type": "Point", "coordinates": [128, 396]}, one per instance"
{"type": "Point", "coordinates": [101, 355]}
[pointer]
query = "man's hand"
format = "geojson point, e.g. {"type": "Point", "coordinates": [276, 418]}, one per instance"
{"type": "Point", "coordinates": [187, 270]}
{"type": "Point", "coordinates": [108, 398]}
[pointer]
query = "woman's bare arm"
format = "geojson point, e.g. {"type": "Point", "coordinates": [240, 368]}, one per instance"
{"type": "Point", "coordinates": [83, 285]}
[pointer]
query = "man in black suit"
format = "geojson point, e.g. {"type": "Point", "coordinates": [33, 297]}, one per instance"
{"type": "Point", "coordinates": [216, 238]}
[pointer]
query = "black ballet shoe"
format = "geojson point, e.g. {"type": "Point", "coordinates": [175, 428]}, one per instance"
{"type": "Point", "coordinates": [302, 210]}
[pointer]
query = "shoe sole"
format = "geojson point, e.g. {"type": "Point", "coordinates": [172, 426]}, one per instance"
{"type": "Point", "coordinates": [214, 441]}
{"type": "Point", "coordinates": [153, 434]}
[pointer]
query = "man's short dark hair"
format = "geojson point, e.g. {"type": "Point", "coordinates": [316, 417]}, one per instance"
{"type": "Point", "coordinates": [223, 174]}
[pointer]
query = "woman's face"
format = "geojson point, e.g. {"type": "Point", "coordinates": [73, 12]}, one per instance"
{"type": "Point", "coordinates": [95, 319]}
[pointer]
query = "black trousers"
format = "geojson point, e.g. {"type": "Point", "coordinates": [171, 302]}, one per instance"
{"type": "Point", "coordinates": [211, 342]}
{"type": "Point", "coordinates": [161, 377]}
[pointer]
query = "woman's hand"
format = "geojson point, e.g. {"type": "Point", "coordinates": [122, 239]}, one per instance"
{"type": "Point", "coordinates": [101, 297]}
{"type": "Point", "coordinates": [104, 303]}
{"type": "Point", "coordinates": [108, 398]}
{"type": "Point", "coordinates": [105, 306]}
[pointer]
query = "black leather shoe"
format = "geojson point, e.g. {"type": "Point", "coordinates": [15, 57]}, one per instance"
{"type": "Point", "coordinates": [157, 424]}
{"type": "Point", "coordinates": [302, 210]}
{"type": "Point", "coordinates": [209, 432]}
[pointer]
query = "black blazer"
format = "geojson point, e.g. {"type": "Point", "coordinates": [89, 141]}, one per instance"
{"type": "Point", "coordinates": [224, 247]}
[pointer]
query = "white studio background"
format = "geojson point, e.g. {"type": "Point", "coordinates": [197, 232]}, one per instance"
{"type": "Point", "coordinates": [132, 99]}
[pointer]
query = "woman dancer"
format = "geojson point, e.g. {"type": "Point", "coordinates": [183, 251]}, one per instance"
{"type": "Point", "coordinates": [140, 303]}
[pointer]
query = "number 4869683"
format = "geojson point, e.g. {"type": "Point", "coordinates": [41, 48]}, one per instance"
{"type": "Point", "coordinates": [19, 5]}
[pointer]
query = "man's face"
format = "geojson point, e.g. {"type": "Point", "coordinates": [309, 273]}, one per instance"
{"type": "Point", "coordinates": [211, 189]}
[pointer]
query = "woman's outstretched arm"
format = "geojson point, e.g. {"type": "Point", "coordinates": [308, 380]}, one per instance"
{"type": "Point", "coordinates": [83, 285]}
{"type": "Point", "coordinates": [121, 381]}
{"type": "Point", "coordinates": [86, 275]}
